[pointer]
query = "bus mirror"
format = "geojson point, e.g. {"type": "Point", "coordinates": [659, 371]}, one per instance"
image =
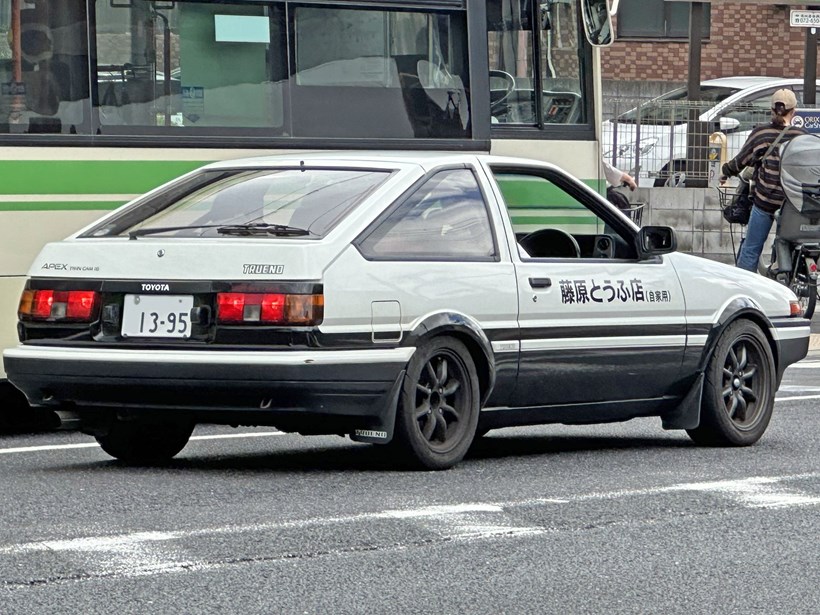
{"type": "Point", "coordinates": [597, 22]}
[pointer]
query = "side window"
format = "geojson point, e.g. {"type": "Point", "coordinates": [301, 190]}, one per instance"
{"type": "Point", "coordinates": [445, 219]}
{"type": "Point", "coordinates": [551, 221]}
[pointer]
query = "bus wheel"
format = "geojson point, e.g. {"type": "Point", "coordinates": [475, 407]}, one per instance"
{"type": "Point", "coordinates": [145, 442]}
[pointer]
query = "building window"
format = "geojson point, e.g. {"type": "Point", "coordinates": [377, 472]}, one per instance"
{"type": "Point", "coordinates": [537, 47]}
{"type": "Point", "coordinates": [658, 19]}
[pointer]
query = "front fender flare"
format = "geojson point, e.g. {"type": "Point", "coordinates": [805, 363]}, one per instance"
{"type": "Point", "coordinates": [740, 307]}
{"type": "Point", "coordinates": [687, 414]}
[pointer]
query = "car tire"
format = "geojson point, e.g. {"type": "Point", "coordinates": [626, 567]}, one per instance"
{"type": "Point", "coordinates": [438, 406]}
{"type": "Point", "coordinates": [738, 395]}
{"type": "Point", "coordinates": [142, 442]}
{"type": "Point", "coordinates": [675, 179]}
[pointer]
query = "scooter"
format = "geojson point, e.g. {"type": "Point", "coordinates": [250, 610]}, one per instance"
{"type": "Point", "coordinates": [795, 254]}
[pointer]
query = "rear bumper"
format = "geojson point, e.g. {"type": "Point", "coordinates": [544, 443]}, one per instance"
{"type": "Point", "coordinates": [354, 383]}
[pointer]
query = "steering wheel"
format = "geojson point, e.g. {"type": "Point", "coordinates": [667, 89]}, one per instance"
{"type": "Point", "coordinates": [509, 86]}
{"type": "Point", "coordinates": [551, 242]}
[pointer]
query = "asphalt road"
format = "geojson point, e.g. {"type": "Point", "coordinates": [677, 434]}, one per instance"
{"type": "Point", "coordinates": [619, 518]}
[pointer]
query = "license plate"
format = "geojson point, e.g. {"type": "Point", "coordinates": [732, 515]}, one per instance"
{"type": "Point", "coordinates": [157, 316]}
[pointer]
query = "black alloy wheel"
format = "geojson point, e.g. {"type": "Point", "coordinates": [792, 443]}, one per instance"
{"type": "Point", "coordinates": [438, 408]}
{"type": "Point", "coordinates": [738, 396]}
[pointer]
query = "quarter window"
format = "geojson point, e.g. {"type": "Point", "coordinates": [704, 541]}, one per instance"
{"type": "Point", "coordinates": [445, 219]}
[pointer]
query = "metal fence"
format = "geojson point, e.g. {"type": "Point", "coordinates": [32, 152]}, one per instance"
{"type": "Point", "coordinates": [676, 142]}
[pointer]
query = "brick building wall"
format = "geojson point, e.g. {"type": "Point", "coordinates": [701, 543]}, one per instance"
{"type": "Point", "coordinates": [744, 40]}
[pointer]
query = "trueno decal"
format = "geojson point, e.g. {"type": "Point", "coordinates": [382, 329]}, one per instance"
{"type": "Point", "coordinates": [155, 287]}
{"type": "Point", "coordinates": [371, 433]}
{"type": "Point", "coordinates": [258, 269]}
{"type": "Point", "coordinates": [55, 266]}
{"type": "Point", "coordinates": [609, 291]}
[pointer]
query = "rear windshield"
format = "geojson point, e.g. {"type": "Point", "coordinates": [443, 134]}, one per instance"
{"type": "Point", "coordinates": [309, 200]}
{"type": "Point", "coordinates": [673, 107]}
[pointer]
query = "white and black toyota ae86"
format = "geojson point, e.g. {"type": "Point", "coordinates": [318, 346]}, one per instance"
{"type": "Point", "coordinates": [411, 300]}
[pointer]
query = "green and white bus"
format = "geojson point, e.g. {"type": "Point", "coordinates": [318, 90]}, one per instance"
{"type": "Point", "coordinates": [101, 100]}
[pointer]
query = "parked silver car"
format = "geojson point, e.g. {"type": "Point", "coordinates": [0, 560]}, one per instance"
{"type": "Point", "coordinates": [651, 139]}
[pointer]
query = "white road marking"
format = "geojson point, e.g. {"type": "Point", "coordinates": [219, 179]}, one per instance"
{"type": "Point", "coordinates": [149, 553]}
{"type": "Point", "coordinates": [757, 492]}
{"type": "Point", "coordinates": [48, 447]}
{"type": "Point", "coordinates": [62, 447]}
{"type": "Point", "coordinates": [805, 365]}
{"type": "Point", "coordinates": [797, 398]}
{"type": "Point", "coordinates": [437, 511]}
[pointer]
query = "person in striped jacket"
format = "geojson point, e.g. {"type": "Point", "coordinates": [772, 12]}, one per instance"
{"type": "Point", "coordinates": [767, 194]}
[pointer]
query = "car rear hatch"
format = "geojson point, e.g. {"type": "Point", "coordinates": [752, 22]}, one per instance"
{"type": "Point", "coordinates": [176, 292]}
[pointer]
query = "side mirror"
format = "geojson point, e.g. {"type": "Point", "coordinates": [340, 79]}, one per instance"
{"type": "Point", "coordinates": [597, 22]}
{"type": "Point", "coordinates": [656, 240]}
{"type": "Point", "coordinates": [728, 124]}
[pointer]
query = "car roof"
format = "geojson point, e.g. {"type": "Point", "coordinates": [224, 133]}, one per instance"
{"type": "Point", "coordinates": [339, 158]}
{"type": "Point", "coordinates": [375, 159]}
{"type": "Point", "coordinates": [751, 81]}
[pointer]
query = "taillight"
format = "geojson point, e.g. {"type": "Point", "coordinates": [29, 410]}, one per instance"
{"type": "Point", "coordinates": [269, 308]}
{"type": "Point", "coordinates": [795, 308]}
{"type": "Point", "coordinates": [59, 305]}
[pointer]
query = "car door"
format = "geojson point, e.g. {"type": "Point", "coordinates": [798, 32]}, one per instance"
{"type": "Point", "coordinates": [596, 323]}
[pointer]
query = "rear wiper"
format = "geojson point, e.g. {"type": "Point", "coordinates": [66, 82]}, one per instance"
{"type": "Point", "coordinates": [261, 228]}
{"type": "Point", "coordinates": [166, 229]}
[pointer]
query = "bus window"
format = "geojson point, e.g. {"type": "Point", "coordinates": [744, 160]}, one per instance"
{"type": "Point", "coordinates": [45, 81]}
{"type": "Point", "coordinates": [516, 69]}
{"type": "Point", "coordinates": [194, 65]}
{"type": "Point", "coordinates": [378, 73]}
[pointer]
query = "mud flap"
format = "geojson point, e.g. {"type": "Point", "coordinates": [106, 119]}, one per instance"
{"type": "Point", "coordinates": [379, 429]}
{"type": "Point", "coordinates": [687, 414]}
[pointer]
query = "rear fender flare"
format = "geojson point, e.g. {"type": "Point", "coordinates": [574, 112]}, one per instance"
{"type": "Point", "coordinates": [466, 330]}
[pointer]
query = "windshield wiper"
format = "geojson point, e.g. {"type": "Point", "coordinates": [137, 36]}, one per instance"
{"type": "Point", "coordinates": [167, 229]}
{"type": "Point", "coordinates": [261, 228]}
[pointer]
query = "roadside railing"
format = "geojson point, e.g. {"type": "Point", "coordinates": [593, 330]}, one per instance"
{"type": "Point", "coordinates": [676, 143]}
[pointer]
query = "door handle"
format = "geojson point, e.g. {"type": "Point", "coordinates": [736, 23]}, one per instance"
{"type": "Point", "coordinates": [540, 282]}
